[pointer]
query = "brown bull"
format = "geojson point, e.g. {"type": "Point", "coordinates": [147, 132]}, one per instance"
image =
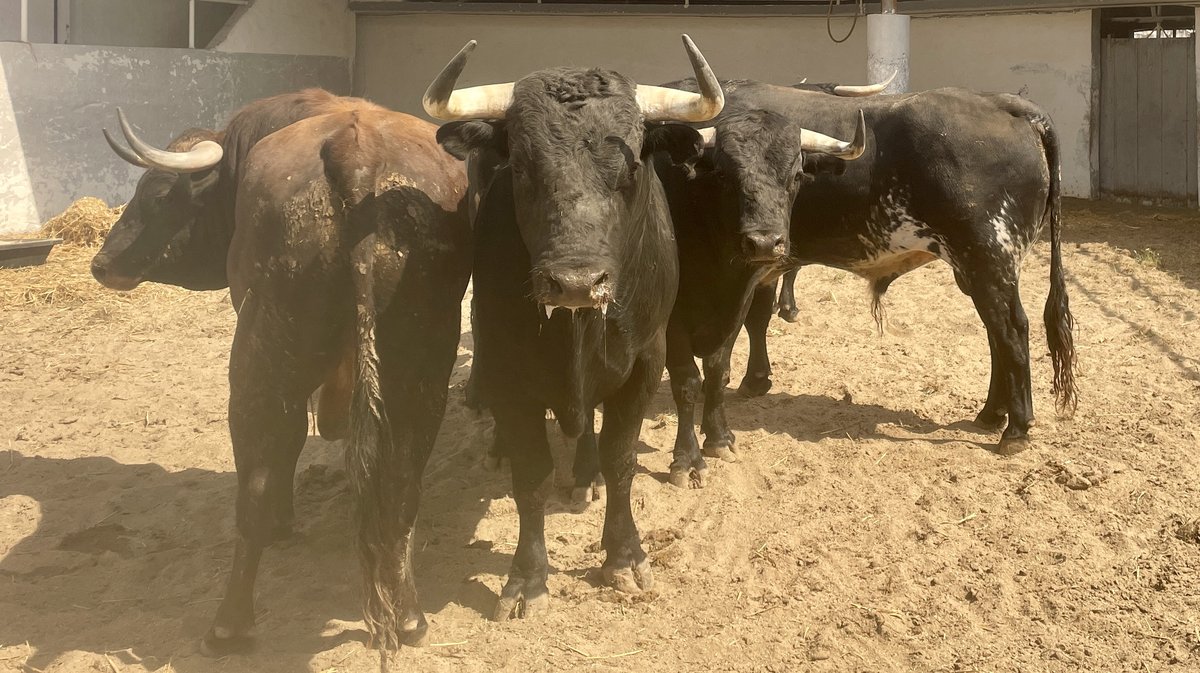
{"type": "Point", "coordinates": [348, 252]}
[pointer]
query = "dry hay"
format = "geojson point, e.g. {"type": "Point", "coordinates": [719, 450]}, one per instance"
{"type": "Point", "coordinates": [85, 222]}
{"type": "Point", "coordinates": [66, 279]}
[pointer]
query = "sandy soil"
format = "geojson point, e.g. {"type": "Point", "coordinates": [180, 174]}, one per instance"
{"type": "Point", "coordinates": [867, 527]}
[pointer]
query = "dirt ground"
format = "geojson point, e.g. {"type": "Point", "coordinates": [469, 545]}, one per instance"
{"type": "Point", "coordinates": [866, 528]}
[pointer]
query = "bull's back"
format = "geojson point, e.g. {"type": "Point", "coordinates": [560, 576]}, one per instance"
{"type": "Point", "coordinates": [300, 183]}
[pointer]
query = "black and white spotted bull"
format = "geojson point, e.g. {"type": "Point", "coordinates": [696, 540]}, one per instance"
{"type": "Point", "coordinates": [574, 279]}
{"type": "Point", "coordinates": [345, 243]}
{"type": "Point", "coordinates": [964, 177]}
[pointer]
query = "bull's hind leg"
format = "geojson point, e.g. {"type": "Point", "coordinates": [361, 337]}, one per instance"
{"type": "Point", "coordinates": [523, 424]}
{"type": "Point", "coordinates": [999, 305]}
{"type": "Point", "coordinates": [688, 468]}
{"type": "Point", "coordinates": [757, 381]}
{"type": "Point", "coordinates": [268, 423]}
{"type": "Point", "coordinates": [416, 355]}
{"type": "Point", "coordinates": [626, 567]}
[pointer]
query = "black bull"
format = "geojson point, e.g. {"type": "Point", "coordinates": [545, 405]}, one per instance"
{"type": "Point", "coordinates": [575, 276]}
{"type": "Point", "coordinates": [345, 243]}
{"type": "Point", "coordinates": [967, 178]}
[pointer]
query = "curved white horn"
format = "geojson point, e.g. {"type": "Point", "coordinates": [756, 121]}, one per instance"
{"type": "Point", "coordinates": [124, 152]}
{"type": "Point", "coordinates": [811, 141]}
{"type": "Point", "coordinates": [664, 104]}
{"type": "Point", "coordinates": [203, 155]}
{"type": "Point", "coordinates": [709, 135]}
{"type": "Point", "coordinates": [866, 90]}
{"type": "Point", "coordinates": [443, 101]}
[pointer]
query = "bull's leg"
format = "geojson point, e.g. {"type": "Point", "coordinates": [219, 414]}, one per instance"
{"type": "Point", "coordinates": [586, 467]}
{"type": "Point", "coordinates": [718, 438]}
{"type": "Point", "coordinates": [757, 380]}
{"type": "Point", "coordinates": [992, 416]}
{"type": "Point", "coordinates": [999, 306]}
{"type": "Point", "coordinates": [626, 567]}
{"type": "Point", "coordinates": [688, 468]}
{"type": "Point", "coordinates": [787, 297]}
{"type": "Point", "coordinates": [416, 355]}
{"type": "Point", "coordinates": [268, 423]}
{"type": "Point", "coordinates": [523, 424]}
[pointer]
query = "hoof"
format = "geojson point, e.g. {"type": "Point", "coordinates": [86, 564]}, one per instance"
{"type": "Point", "coordinates": [632, 580]}
{"type": "Point", "coordinates": [989, 420]}
{"type": "Point", "coordinates": [1011, 446]}
{"type": "Point", "coordinates": [789, 314]}
{"type": "Point", "coordinates": [582, 495]}
{"type": "Point", "coordinates": [756, 386]}
{"type": "Point", "coordinates": [415, 633]}
{"type": "Point", "coordinates": [522, 599]}
{"type": "Point", "coordinates": [722, 450]}
{"type": "Point", "coordinates": [222, 642]}
{"type": "Point", "coordinates": [688, 477]}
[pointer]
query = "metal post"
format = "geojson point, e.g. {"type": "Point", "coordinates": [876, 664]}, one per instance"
{"type": "Point", "coordinates": [191, 24]}
{"type": "Point", "coordinates": [24, 20]}
{"type": "Point", "coordinates": [887, 46]}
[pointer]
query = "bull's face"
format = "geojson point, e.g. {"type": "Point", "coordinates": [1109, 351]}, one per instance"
{"type": "Point", "coordinates": [577, 143]}
{"type": "Point", "coordinates": [165, 213]}
{"type": "Point", "coordinates": [763, 158]}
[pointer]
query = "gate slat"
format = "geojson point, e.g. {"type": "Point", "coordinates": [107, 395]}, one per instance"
{"type": "Point", "coordinates": [1108, 117]}
{"type": "Point", "coordinates": [1125, 140]}
{"type": "Point", "coordinates": [1149, 117]}
{"type": "Point", "coordinates": [1193, 189]}
{"type": "Point", "coordinates": [1173, 118]}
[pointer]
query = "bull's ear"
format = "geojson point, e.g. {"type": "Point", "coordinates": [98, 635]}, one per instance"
{"type": "Point", "coordinates": [816, 163]}
{"type": "Point", "coordinates": [682, 143]}
{"type": "Point", "coordinates": [462, 138]}
{"type": "Point", "coordinates": [199, 183]}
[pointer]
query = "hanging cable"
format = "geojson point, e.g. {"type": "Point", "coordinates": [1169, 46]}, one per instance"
{"type": "Point", "coordinates": [829, 21]}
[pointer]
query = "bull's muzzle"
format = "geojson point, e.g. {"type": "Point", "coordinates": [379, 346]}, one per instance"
{"type": "Point", "coordinates": [763, 247]}
{"type": "Point", "coordinates": [573, 287]}
{"type": "Point", "coordinates": [103, 273]}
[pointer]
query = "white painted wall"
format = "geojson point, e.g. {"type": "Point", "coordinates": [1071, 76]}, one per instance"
{"type": "Point", "coordinates": [397, 55]}
{"type": "Point", "coordinates": [1045, 57]}
{"type": "Point", "coordinates": [307, 27]}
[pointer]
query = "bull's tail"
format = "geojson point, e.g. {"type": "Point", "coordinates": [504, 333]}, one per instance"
{"type": "Point", "coordinates": [371, 459]}
{"type": "Point", "coordinates": [1060, 325]}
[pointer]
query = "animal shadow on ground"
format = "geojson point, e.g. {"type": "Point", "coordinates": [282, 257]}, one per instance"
{"type": "Point", "coordinates": [132, 560]}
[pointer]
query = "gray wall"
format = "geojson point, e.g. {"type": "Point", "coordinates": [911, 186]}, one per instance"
{"type": "Point", "coordinates": [54, 99]}
{"type": "Point", "coordinates": [1045, 56]}
{"type": "Point", "coordinates": [397, 55]}
{"type": "Point", "coordinates": [41, 20]}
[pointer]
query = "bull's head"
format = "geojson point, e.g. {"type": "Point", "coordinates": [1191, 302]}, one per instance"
{"type": "Point", "coordinates": [763, 158]}
{"type": "Point", "coordinates": [162, 217]}
{"type": "Point", "coordinates": [577, 142]}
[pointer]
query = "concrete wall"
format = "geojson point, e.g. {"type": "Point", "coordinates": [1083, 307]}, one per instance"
{"type": "Point", "coordinates": [314, 27]}
{"type": "Point", "coordinates": [41, 20]}
{"type": "Point", "coordinates": [1046, 58]}
{"type": "Point", "coordinates": [398, 54]}
{"type": "Point", "coordinates": [130, 23]}
{"type": "Point", "coordinates": [54, 99]}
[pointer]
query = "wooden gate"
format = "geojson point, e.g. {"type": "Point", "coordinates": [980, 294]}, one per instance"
{"type": "Point", "coordinates": [1148, 120]}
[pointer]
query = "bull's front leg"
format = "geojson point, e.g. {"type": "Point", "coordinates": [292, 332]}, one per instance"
{"type": "Point", "coordinates": [757, 381]}
{"type": "Point", "coordinates": [787, 297]}
{"type": "Point", "coordinates": [688, 468]}
{"type": "Point", "coordinates": [523, 428]}
{"type": "Point", "coordinates": [719, 440]}
{"type": "Point", "coordinates": [626, 567]}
